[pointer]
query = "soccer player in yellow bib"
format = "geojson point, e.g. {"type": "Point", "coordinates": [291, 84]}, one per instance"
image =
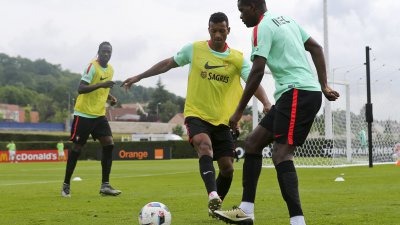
{"type": "Point", "coordinates": [89, 118]}
{"type": "Point", "coordinates": [213, 93]}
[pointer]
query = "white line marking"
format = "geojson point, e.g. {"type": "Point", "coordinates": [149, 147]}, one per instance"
{"type": "Point", "coordinates": [113, 177]}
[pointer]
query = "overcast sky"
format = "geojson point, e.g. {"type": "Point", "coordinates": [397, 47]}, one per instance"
{"type": "Point", "coordinates": [146, 31]}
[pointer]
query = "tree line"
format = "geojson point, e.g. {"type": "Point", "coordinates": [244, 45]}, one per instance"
{"type": "Point", "coordinates": [51, 90]}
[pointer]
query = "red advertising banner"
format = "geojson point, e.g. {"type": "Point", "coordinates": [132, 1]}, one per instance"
{"type": "Point", "coordinates": [34, 156]}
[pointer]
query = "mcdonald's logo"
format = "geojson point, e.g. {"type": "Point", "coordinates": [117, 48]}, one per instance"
{"type": "Point", "coordinates": [3, 157]}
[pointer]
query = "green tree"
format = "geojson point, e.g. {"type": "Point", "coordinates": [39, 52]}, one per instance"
{"type": "Point", "coordinates": [178, 130]}
{"type": "Point", "coordinates": [159, 97]}
{"type": "Point", "coordinates": [167, 111]}
{"type": "Point", "coordinates": [245, 128]}
{"type": "Point", "coordinates": [28, 110]}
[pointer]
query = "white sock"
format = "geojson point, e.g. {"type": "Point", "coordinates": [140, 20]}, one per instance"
{"type": "Point", "coordinates": [247, 207]}
{"type": "Point", "coordinates": [297, 220]}
{"type": "Point", "coordinates": [212, 195]}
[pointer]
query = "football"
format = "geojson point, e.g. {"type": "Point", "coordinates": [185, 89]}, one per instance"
{"type": "Point", "coordinates": [155, 213]}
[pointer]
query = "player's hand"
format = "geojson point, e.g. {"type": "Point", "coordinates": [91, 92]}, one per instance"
{"type": "Point", "coordinates": [107, 84]}
{"type": "Point", "coordinates": [113, 100]}
{"type": "Point", "coordinates": [233, 121]}
{"type": "Point", "coordinates": [267, 107]}
{"type": "Point", "coordinates": [330, 94]}
{"type": "Point", "coordinates": [128, 82]}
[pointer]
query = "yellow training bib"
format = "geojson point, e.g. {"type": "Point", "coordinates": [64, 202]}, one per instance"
{"type": "Point", "coordinates": [93, 103]}
{"type": "Point", "coordinates": [214, 88]}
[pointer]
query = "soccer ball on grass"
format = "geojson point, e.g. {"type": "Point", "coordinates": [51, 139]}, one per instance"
{"type": "Point", "coordinates": [155, 213]}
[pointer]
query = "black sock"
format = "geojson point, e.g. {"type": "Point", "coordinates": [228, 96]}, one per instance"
{"type": "Point", "coordinates": [251, 172]}
{"type": "Point", "coordinates": [288, 182]}
{"type": "Point", "coordinates": [223, 185]}
{"type": "Point", "coordinates": [71, 163]}
{"type": "Point", "coordinates": [207, 172]}
{"type": "Point", "coordinates": [106, 162]}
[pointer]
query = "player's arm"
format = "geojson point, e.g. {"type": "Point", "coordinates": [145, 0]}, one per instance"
{"type": "Point", "coordinates": [253, 82]}
{"type": "Point", "coordinates": [87, 77]}
{"type": "Point", "coordinates": [317, 56]}
{"type": "Point", "coordinates": [260, 92]}
{"type": "Point", "coordinates": [159, 68]}
{"type": "Point", "coordinates": [84, 86]}
{"type": "Point", "coordinates": [261, 95]}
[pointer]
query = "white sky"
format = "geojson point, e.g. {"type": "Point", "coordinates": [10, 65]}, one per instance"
{"type": "Point", "coordinates": [147, 31]}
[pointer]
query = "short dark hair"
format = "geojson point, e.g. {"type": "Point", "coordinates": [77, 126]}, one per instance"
{"type": "Point", "coordinates": [219, 17]}
{"type": "Point", "coordinates": [256, 2]}
{"type": "Point", "coordinates": [104, 43]}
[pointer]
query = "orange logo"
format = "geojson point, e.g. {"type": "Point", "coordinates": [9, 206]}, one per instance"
{"type": "Point", "coordinates": [158, 153]}
{"type": "Point", "coordinates": [133, 155]}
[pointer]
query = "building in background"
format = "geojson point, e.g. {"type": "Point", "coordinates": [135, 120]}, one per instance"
{"type": "Point", "coordinates": [15, 113]}
{"type": "Point", "coordinates": [127, 112]}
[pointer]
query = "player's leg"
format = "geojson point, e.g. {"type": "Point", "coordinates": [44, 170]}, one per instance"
{"type": "Point", "coordinates": [79, 134]}
{"type": "Point", "coordinates": [225, 175]}
{"type": "Point", "coordinates": [282, 156]}
{"type": "Point", "coordinates": [199, 138]}
{"type": "Point", "coordinates": [297, 110]}
{"type": "Point", "coordinates": [103, 132]}
{"type": "Point", "coordinates": [11, 155]}
{"type": "Point", "coordinates": [255, 142]}
{"type": "Point", "coordinates": [223, 150]}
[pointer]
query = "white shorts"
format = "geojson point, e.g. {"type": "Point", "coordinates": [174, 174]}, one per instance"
{"type": "Point", "coordinates": [11, 154]}
{"type": "Point", "coordinates": [61, 154]}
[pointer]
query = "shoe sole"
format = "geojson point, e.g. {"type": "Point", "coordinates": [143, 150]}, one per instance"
{"type": "Point", "coordinates": [211, 214]}
{"type": "Point", "coordinates": [214, 204]}
{"type": "Point", "coordinates": [109, 194]}
{"type": "Point", "coordinates": [247, 221]}
{"type": "Point", "coordinates": [65, 195]}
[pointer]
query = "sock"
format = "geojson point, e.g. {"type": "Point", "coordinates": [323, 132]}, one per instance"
{"type": "Point", "coordinates": [212, 195]}
{"type": "Point", "coordinates": [71, 164]}
{"type": "Point", "coordinates": [251, 172]}
{"type": "Point", "coordinates": [297, 220]}
{"type": "Point", "coordinates": [106, 162]}
{"type": "Point", "coordinates": [247, 207]}
{"type": "Point", "coordinates": [223, 185]}
{"type": "Point", "coordinates": [207, 172]}
{"type": "Point", "coordinates": [288, 182]}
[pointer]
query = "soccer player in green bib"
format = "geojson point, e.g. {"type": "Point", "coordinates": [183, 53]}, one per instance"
{"type": "Point", "coordinates": [89, 118]}
{"type": "Point", "coordinates": [60, 150]}
{"type": "Point", "coordinates": [280, 43]}
{"type": "Point", "coordinates": [12, 152]}
{"type": "Point", "coordinates": [213, 93]}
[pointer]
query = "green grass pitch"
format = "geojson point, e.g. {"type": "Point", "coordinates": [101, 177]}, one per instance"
{"type": "Point", "coordinates": [30, 194]}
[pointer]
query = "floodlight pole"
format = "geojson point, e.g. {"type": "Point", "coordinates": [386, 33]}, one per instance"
{"type": "Point", "coordinates": [68, 120]}
{"type": "Point", "coordinates": [327, 103]}
{"type": "Point", "coordinates": [368, 107]}
{"type": "Point", "coordinates": [255, 106]}
{"type": "Point", "coordinates": [255, 112]}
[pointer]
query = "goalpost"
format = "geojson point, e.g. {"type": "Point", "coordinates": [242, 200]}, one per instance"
{"type": "Point", "coordinates": [348, 145]}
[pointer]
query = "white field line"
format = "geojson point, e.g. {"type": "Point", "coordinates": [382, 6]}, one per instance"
{"type": "Point", "coordinates": [113, 177]}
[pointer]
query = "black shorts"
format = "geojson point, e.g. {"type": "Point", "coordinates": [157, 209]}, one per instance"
{"type": "Point", "coordinates": [291, 118]}
{"type": "Point", "coordinates": [221, 137]}
{"type": "Point", "coordinates": [82, 127]}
